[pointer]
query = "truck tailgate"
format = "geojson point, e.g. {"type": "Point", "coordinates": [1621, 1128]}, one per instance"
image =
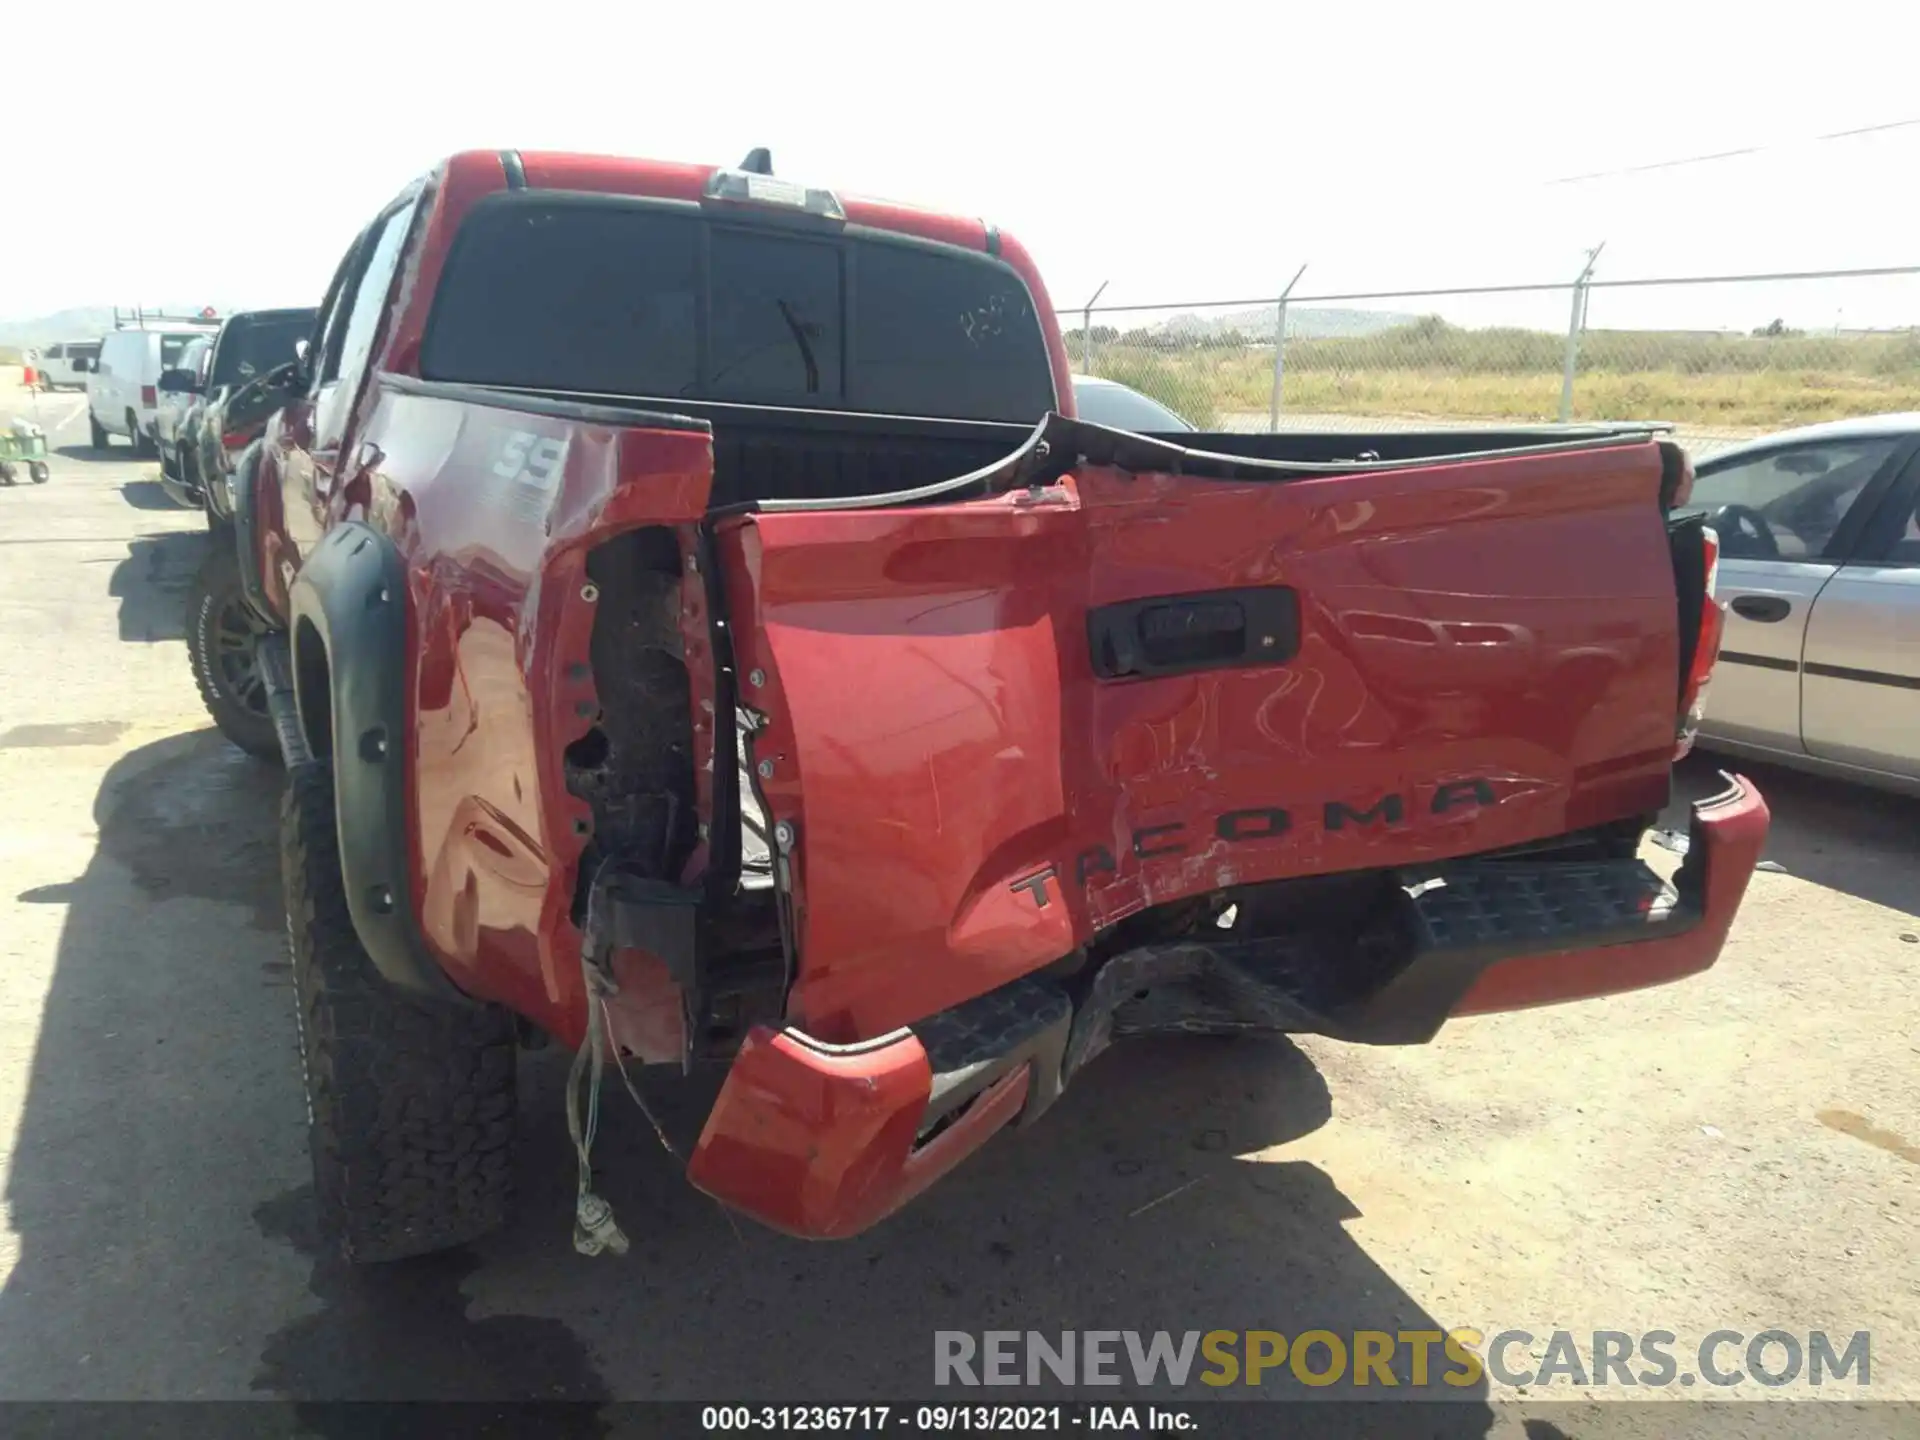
{"type": "Point", "coordinates": [981, 748]}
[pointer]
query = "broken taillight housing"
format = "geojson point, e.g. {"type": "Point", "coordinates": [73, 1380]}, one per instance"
{"type": "Point", "coordinates": [1683, 489]}
{"type": "Point", "coordinates": [1693, 699]}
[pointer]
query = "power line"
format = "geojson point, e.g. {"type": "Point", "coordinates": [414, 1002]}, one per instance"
{"type": "Point", "coordinates": [1867, 129]}
{"type": "Point", "coordinates": [1732, 154]}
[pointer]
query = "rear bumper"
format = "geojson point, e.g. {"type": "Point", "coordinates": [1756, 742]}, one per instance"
{"type": "Point", "coordinates": [217, 490]}
{"type": "Point", "coordinates": [1728, 833]}
{"type": "Point", "coordinates": [178, 490]}
{"type": "Point", "coordinates": [822, 1141]}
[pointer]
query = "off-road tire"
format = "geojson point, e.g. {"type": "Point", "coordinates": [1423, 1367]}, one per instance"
{"type": "Point", "coordinates": [410, 1104]}
{"type": "Point", "coordinates": [240, 712]}
{"type": "Point", "coordinates": [96, 432]}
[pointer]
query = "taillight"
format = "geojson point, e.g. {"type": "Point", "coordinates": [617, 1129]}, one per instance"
{"type": "Point", "coordinates": [1693, 700]}
{"type": "Point", "coordinates": [1683, 492]}
{"type": "Point", "coordinates": [234, 439]}
{"type": "Point", "coordinates": [149, 397]}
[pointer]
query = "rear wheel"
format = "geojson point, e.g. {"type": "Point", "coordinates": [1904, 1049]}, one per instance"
{"type": "Point", "coordinates": [96, 432]}
{"type": "Point", "coordinates": [40, 472]}
{"type": "Point", "coordinates": [224, 650]}
{"type": "Point", "coordinates": [142, 445]}
{"type": "Point", "coordinates": [410, 1106]}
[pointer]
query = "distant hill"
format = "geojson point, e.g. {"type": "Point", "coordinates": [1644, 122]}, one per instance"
{"type": "Point", "coordinates": [84, 324]}
{"type": "Point", "coordinates": [87, 322]}
{"type": "Point", "coordinates": [1304, 322]}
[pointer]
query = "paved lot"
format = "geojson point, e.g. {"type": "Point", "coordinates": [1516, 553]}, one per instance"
{"type": "Point", "coordinates": [1737, 1152]}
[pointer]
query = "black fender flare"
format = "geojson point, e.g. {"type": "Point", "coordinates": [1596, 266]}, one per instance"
{"type": "Point", "coordinates": [350, 599]}
{"type": "Point", "coordinates": [246, 533]}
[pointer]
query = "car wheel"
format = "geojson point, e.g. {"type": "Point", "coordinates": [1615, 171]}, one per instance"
{"type": "Point", "coordinates": [142, 445]}
{"type": "Point", "coordinates": [38, 469]}
{"type": "Point", "coordinates": [96, 432]}
{"type": "Point", "coordinates": [223, 649]}
{"type": "Point", "coordinates": [410, 1105]}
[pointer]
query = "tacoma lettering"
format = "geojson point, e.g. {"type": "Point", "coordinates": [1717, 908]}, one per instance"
{"type": "Point", "coordinates": [1261, 822]}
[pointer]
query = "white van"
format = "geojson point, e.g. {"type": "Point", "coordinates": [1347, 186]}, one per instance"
{"type": "Point", "coordinates": [123, 383]}
{"type": "Point", "coordinates": [57, 368]}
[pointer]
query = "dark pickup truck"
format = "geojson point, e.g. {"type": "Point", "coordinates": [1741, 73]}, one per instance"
{"type": "Point", "coordinates": [698, 630]}
{"type": "Point", "coordinates": [251, 345]}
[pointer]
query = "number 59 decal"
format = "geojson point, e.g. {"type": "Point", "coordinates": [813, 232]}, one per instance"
{"type": "Point", "coordinates": [527, 459]}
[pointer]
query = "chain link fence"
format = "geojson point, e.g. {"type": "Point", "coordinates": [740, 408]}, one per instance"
{"type": "Point", "coordinates": [1592, 349]}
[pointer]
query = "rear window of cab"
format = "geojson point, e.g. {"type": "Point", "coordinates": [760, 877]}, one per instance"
{"type": "Point", "coordinates": [607, 296]}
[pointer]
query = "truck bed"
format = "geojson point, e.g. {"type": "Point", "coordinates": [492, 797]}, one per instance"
{"type": "Point", "coordinates": [768, 457]}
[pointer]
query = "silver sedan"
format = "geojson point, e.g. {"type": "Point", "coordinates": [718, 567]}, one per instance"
{"type": "Point", "coordinates": [1820, 568]}
{"type": "Point", "coordinates": [1109, 403]}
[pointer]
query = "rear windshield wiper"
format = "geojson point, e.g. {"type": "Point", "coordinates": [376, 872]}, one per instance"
{"type": "Point", "coordinates": [806, 347]}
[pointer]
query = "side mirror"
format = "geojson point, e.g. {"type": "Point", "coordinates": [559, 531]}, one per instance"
{"type": "Point", "coordinates": [176, 382]}
{"type": "Point", "coordinates": [300, 351]}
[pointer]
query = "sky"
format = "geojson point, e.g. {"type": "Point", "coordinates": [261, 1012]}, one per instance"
{"type": "Point", "coordinates": [227, 153]}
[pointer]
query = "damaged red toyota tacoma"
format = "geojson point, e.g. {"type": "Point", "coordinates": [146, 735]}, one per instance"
{"type": "Point", "coordinates": [698, 630]}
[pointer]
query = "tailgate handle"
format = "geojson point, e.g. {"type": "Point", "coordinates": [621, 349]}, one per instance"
{"type": "Point", "coordinates": [1177, 634]}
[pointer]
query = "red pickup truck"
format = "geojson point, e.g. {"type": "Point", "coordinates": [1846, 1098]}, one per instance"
{"type": "Point", "coordinates": [699, 631]}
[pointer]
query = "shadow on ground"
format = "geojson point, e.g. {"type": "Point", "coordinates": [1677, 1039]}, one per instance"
{"type": "Point", "coordinates": [152, 584]}
{"type": "Point", "coordinates": [1862, 842]}
{"type": "Point", "coordinates": [146, 495]}
{"type": "Point", "coordinates": [100, 454]}
{"type": "Point", "coordinates": [167, 1237]}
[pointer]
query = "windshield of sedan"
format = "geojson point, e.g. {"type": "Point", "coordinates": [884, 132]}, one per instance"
{"type": "Point", "coordinates": [1786, 504]}
{"type": "Point", "coordinates": [1105, 402]}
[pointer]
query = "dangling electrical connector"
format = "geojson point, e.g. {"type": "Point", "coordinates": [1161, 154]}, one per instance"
{"type": "Point", "coordinates": [594, 1230]}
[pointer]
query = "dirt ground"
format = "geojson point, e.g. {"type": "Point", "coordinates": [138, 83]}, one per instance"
{"type": "Point", "coordinates": [1737, 1152]}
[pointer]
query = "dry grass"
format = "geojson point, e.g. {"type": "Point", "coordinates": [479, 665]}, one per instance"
{"type": "Point", "coordinates": [1773, 400]}
{"type": "Point", "coordinates": [1432, 369]}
